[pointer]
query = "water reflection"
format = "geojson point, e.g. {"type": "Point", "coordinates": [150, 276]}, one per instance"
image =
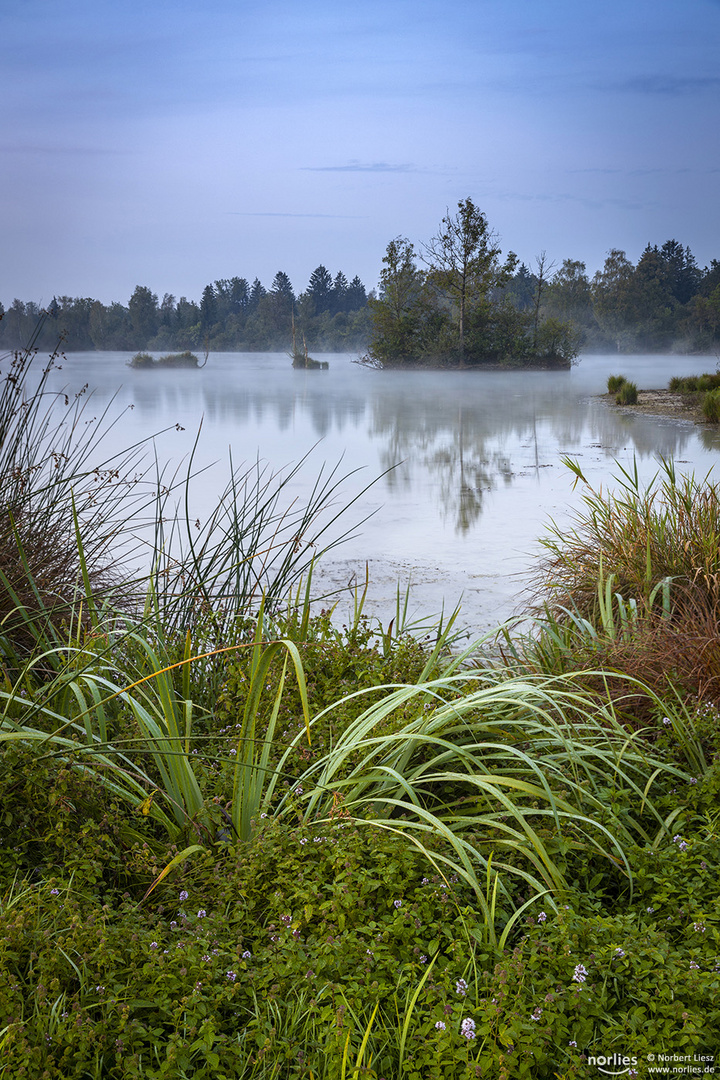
{"type": "Point", "coordinates": [474, 459]}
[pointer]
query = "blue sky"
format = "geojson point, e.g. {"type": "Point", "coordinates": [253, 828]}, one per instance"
{"type": "Point", "coordinates": [169, 143]}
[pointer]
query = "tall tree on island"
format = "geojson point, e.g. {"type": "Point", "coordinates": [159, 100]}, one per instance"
{"type": "Point", "coordinates": [463, 261]}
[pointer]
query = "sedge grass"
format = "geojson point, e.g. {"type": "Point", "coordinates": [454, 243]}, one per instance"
{"type": "Point", "coordinates": [640, 537]}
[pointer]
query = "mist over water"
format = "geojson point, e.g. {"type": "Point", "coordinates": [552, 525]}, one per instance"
{"type": "Point", "coordinates": [467, 465]}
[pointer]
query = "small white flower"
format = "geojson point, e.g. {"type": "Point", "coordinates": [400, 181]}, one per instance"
{"type": "Point", "coordinates": [467, 1028]}
{"type": "Point", "coordinates": [440, 1025]}
{"type": "Point", "coordinates": [580, 973]}
{"type": "Point", "coordinates": [461, 988]}
{"type": "Point", "coordinates": [542, 917]}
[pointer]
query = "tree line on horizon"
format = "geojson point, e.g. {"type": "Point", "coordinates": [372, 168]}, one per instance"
{"type": "Point", "coordinates": [331, 314]}
{"type": "Point", "coordinates": [664, 303]}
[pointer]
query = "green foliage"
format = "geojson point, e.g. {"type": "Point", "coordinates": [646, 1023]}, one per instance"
{"type": "Point", "coordinates": [396, 864]}
{"type": "Point", "coordinates": [711, 406]}
{"type": "Point", "coordinates": [627, 394]}
{"type": "Point", "coordinates": [691, 384]}
{"type": "Point", "coordinates": [459, 311]}
{"type": "Point", "coordinates": [143, 360]}
{"type": "Point", "coordinates": [615, 382]}
{"type": "Point", "coordinates": [640, 536]}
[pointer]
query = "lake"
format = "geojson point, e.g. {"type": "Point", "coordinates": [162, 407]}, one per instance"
{"type": "Point", "coordinates": [467, 464]}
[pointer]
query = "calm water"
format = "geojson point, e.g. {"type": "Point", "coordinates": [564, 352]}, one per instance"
{"type": "Point", "coordinates": [474, 459]}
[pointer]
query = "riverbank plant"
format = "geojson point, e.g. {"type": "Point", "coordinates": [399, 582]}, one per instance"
{"type": "Point", "coordinates": [239, 840]}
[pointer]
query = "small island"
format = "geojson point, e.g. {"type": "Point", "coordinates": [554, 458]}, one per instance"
{"type": "Point", "coordinates": [455, 311]}
{"type": "Point", "coordinates": [143, 361]}
{"type": "Point", "coordinates": [695, 398]}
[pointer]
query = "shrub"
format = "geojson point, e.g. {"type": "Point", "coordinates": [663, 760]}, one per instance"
{"type": "Point", "coordinates": [614, 383]}
{"type": "Point", "coordinates": [627, 394]}
{"type": "Point", "coordinates": [142, 360]}
{"type": "Point", "coordinates": [711, 406]}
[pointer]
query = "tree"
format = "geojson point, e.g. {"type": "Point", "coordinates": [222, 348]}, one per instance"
{"type": "Point", "coordinates": [339, 293]}
{"type": "Point", "coordinates": [613, 298]}
{"type": "Point", "coordinates": [282, 286]}
{"type": "Point", "coordinates": [544, 269]}
{"type": "Point", "coordinates": [356, 295]}
{"type": "Point", "coordinates": [395, 313]}
{"type": "Point", "coordinates": [257, 292]}
{"type": "Point", "coordinates": [520, 289]}
{"type": "Point", "coordinates": [463, 260]}
{"type": "Point", "coordinates": [143, 308]}
{"type": "Point", "coordinates": [320, 289]}
{"type": "Point", "coordinates": [208, 309]}
{"type": "Point", "coordinates": [681, 272]}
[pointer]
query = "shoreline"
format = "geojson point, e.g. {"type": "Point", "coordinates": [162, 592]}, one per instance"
{"type": "Point", "coordinates": [686, 407]}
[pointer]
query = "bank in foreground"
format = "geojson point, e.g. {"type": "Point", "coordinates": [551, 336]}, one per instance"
{"type": "Point", "coordinates": [241, 842]}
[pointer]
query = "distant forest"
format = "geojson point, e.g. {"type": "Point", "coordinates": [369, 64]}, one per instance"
{"type": "Point", "coordinates": [665, 303]}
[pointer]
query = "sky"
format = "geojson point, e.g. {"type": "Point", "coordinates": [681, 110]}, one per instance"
{"type": "Point", "coordinates": [171, 143]}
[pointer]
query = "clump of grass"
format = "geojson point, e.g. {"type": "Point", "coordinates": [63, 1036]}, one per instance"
{"type": "Point", "coordinates": [627, 394]}
{"type": "Point", "coordinates": [711, 406]}
{"type": "Point", "coordinates": [692, 384]}
{"type": "Point", "coordinates": [54, 488]}
{"type": "Point", "coordinates": [614, 383]}
{"type": "Point", "coordinates": [638, 537]}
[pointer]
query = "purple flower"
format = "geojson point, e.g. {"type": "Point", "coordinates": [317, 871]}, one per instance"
{"type": "Point", "coordinates": [694, 966]}
{"type": "Point", "coordinates": [461, 987]}
{"type": "Point", "coordinates": [202, 913]}
{"type": "Point", "coordinates": [231, 975]}
{"type": "Point", "coordinates": [537, 1014]}
{"type": "Point", "coordinates": [542, 917]}
{"type": "Point", "coordinates": [54, 892]}
{"type": "Point", "coordinates": [572, 1043]}
{"type": "Point", "coordinates": [153, 944]}
{"type": "Point", "coordinates": [183, 896]}
{"type": "Point", "coordinates": [467, 1028]}
{"type": "Point", "coordinates": [397, 903]}
{"type": "Point", "coordinates": [580, 973]}
{"type": "Point", "coordinates": [246, 955]}
{"type": "Point", "coordinates": [440, 1025]}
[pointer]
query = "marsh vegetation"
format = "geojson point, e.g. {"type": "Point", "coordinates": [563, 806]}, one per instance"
{"type": "Point", "coordinates": [241, 840]}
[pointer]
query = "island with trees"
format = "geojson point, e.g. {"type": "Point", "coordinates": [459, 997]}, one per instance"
{"type": "Point", "coordinates": [455, 309]}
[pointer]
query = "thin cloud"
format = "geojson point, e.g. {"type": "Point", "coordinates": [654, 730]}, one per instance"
{"type": "Point", "coordinates": [369, 167]}
{"type": "Point", "coordinates": [284, 214]}
{"type": "Point", "coordinates": [64, 151]}
{"type": "Point", "coordinates": [672, 85]}
{"type": "Point", "coordinates": [642, 172]}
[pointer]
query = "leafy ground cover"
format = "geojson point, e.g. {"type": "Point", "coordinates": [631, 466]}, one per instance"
{"type": "Point", "coordinates": [239, 841]}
